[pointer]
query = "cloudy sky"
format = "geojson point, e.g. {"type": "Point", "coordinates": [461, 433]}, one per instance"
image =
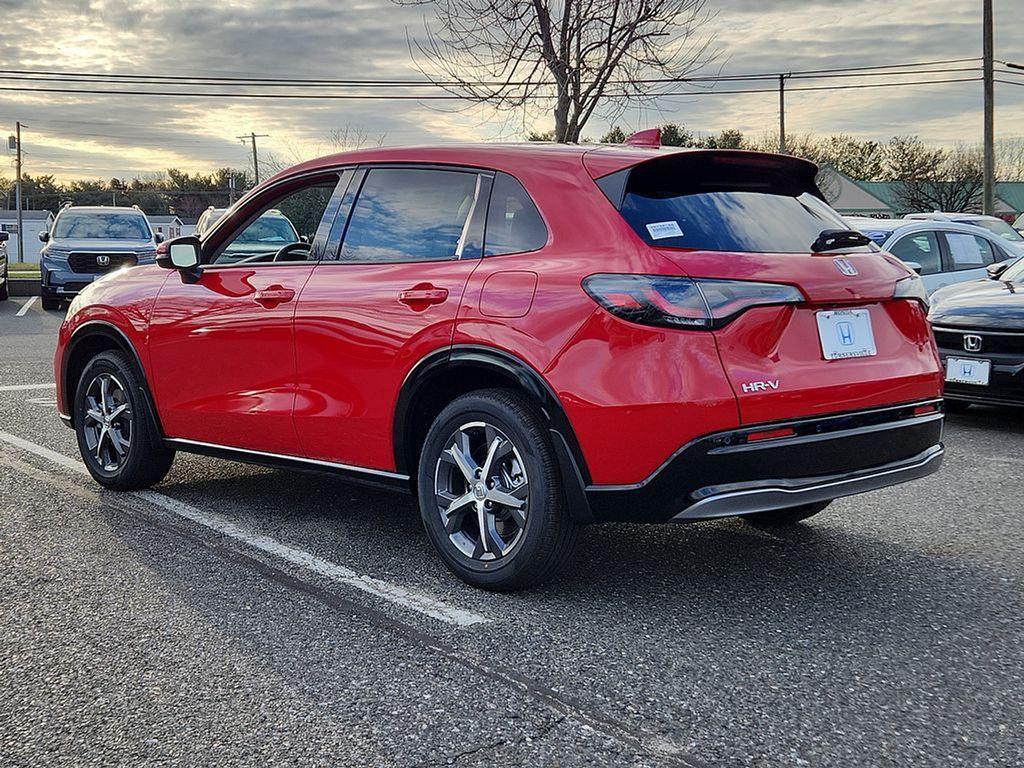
{"type": "Point", "coordinates": [102, 136]}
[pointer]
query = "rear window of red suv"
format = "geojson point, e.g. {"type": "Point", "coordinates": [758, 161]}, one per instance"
{"type": "Point", "coordinates": [724, 202]}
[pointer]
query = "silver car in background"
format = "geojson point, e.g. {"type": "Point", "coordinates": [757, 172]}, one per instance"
{"type": "Point", "coordinates": [942, 252]}
{"type": "Point", "coordinates": [993, 224]}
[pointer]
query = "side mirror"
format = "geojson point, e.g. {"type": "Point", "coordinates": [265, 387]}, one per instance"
{"type": "Point", "coordinates": [44, 237]}
{"type": "Point", "coordinates": [303, 238]}
{"type": "Point", "coordinates": [914, 266]}
{"type": "Point", "coordinates": [158, 238]}
{"type": "Point", "coordinates": [995, 270]}
{"type": "Point", "coordinates": [4, 237]}
{"type": "Point", "coordinates": [182, 253]}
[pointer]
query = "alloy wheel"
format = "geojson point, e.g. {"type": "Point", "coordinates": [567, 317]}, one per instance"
{"type": "Point", "coordinates": [482, 491]}
{"type": "Point", "coordinates": [107, 422]}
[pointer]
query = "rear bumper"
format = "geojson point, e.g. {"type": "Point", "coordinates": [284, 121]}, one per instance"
{"type": "Point", "coordinates": [827, 457]}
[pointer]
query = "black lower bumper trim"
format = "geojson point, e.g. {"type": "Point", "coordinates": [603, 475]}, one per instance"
{"type": "Point", "coordinates": [826, 457]}
{"type": "Point", "coordinates": [791, 493]}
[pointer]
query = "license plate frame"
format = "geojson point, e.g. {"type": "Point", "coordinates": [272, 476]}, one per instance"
{"type": "Point", "coordinates": [846, 334]}
{"type": "Point", "coordinates": [969, 370]}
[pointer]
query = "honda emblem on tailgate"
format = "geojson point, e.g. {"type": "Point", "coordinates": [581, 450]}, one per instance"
{"type": "Point", "coordinates": [845, 266]}
{"type": "Point", "coordinates": [972, 343]}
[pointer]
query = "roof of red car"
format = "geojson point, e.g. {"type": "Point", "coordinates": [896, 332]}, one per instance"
{"type": "Point", "coordinates": [507, 157]}
{"type": "Point", "coordinates": [522, 158]}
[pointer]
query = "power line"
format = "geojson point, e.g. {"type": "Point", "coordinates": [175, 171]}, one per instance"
{"type": "Point", "coordinates": [443, 97]}
{"type": "Point", "coordinates": [189, 80]}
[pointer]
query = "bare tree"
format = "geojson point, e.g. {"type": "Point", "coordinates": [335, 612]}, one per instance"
{"type": "Point", "coordinates": [1010, 159]}
{"type": "Point", "coordinates": [934, 179]}
{"type": "Point", "coordinates": [576, 56]}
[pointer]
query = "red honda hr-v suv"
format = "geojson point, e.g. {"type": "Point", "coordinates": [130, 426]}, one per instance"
{"type": "Point", "coordinates": [526, 337]}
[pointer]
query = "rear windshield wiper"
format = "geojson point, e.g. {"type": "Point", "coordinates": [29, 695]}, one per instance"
{"type": "Point", "coordinates": [834, 239]}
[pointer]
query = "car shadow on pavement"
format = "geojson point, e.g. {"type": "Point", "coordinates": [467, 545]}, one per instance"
{"type": "Point", "coordinates": [823, 565]}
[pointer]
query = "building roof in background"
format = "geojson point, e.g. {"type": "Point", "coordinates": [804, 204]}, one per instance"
{"type": "Point", "coordinates": [163, 219]}
{"type": "Point", "coordinates": [11, 215]}
{"type": "Point", "coordinates": [1012, 193]}
{"type": "Point", "coordinates": [847, 194]}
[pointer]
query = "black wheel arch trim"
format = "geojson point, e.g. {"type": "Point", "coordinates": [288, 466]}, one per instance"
{"type": "Point", "coordinates": [92, 328]}
{"type": "Point", "coordinates": [572, 463]}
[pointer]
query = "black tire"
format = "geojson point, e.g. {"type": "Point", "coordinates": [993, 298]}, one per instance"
{"type": "Point", "coordinates": [145, 460]}
{"type": "Point", "coordinates": [956, 406]}
{"type": "Point", "coordinates": [786, 516]}
{"type": "Point", "coordinates": [50, 302]}
{"type": "Point", "coordinates": [536, 540]}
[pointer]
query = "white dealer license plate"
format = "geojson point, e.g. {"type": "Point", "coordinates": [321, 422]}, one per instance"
{"type": "Point", "coordinates": [846, 333]}
{"type": "Point", "coordinates": [964, 371]}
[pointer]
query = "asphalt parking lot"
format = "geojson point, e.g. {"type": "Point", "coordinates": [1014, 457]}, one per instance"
{"type": "Point", "coordinates": [243, 616]}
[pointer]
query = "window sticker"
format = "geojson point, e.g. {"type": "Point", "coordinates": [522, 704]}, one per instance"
{"type": "Point", "coordinates": [661, 229]}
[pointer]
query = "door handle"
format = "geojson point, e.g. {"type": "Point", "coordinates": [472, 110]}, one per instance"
{"type": "Point", "coordinates": [273, 295]}
{"type": "Point", "coordinates": [423, 295]}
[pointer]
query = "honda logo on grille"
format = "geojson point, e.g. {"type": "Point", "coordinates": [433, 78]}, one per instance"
{"type": "Point", "coordinates": [972, 343]}
{"type": "Point", "coordinates": [103, 260]}
{"type": "Point", "coordinates": [845, 266]}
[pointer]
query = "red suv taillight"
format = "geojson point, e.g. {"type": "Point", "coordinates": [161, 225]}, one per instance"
{"type": "Point", "coordinates": [682, 302]}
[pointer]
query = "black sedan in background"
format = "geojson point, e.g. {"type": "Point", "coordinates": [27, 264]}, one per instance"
{"type": "Point", "coordinates": [979, 326]}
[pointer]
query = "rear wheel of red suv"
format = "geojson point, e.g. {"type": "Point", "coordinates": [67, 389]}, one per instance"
{"type": "Point", "coordinates": [118, 441]}
{"type": "Point", "coordinates": [490, 494]}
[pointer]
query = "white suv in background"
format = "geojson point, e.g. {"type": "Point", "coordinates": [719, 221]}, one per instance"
{"type": "Point", "coordinates": [943, 252]}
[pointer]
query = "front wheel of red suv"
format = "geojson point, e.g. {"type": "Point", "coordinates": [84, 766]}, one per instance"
{"type": "Point", "coordinates": [118, 441]}
{"type": "Point", "coordinates": [490, 494]}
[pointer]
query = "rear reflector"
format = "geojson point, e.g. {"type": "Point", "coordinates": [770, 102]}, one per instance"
{"type": "Point", "coordinates": [923, 409]}
{"type": "Point", "coordinates": [770, 434]}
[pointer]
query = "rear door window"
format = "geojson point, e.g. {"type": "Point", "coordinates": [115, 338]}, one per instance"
{"type": "Point", "coordinates": [727, 202]}
{"type": "Point", "coordinates": [411, 214]}
{"type": "Point", "coordinates": [514, 224]}
{"type": "Point", "coordinates": [921, 248]}
{"type": "Point", "coordinates": [969, 251]}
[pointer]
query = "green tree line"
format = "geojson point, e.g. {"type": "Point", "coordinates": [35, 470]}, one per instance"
{"type": "Point", "coordinates": [179, 192]}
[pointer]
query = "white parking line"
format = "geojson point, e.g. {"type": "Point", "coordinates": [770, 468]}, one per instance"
{"type": "Point", "coordinates": [25, 387]}
{"type": "Point", "coordinates": [401, 596]}
{"type": "Point", "coordinates": [25, 307]}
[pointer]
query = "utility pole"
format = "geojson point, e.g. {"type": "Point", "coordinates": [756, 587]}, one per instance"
{"type": "Point", "coordinates": [255, 160]}
{"type": "Point", "coordinates": [782, 114]}
{"type": "Point", "coordinates": [231, 190]}
{"type": "Point", "coordinates": [989, 194]}
{"type": "Point", "coordinates": [17, 195]}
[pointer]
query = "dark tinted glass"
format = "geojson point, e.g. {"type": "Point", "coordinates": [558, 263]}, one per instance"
{"type": "Point", "coordinates": [514, 224]}
{"type": "Point", "coordinates": [921, 248]}
{"type": "Point", "coordinates": [408, 214]}
{"type": "Point", "coordinates": [728, 202]}
{"type": "Point", "coordinates": [731, 221]}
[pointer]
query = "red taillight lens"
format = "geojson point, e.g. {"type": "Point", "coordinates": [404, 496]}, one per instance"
{"type": "Point", "coordinates": [682, 302]}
